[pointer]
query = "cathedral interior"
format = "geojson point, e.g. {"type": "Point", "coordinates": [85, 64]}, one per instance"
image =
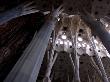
{"type": "Point", "coordinates": [54, 40]}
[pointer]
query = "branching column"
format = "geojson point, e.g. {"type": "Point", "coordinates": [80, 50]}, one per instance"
{"type": "Point", "coordinates": [28, 66]}
{"type": "Point", "coordinates": [53, 55]}
{"type": "Point", "coordinates": [94, 65]}
{"type": "Point", "coordinates": [49, 68]}
{"type": "Point", "coordinates": [74, 43]}
{"type": "Point", "coordinates": [100, 69]}
{"type": "Point", "coordinates": [20, 10]}
{"type": "Point", "coordinates": [98, 29]}
{"type": "Point", "coordinates": [76, 62]}
{"type": "Point", "coordinates": [99, 62]}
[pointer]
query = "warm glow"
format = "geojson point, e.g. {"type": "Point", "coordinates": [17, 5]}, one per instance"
{"type": "Point", "coordinates": [63, 37]}
{"type": "Point", "coordinates": [80, 39]}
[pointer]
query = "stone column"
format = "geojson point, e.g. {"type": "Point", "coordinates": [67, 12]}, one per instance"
{"type": "Point", "coordinates": [49, 68]}
{"type": "Point", "coordinates": [94, 65]}
{"type": "Point", "coordinates": [72, 63]}
{"type": "Point", "coordinates": [76, 62]}
{"type": "Point", "coordinates": [28, 66]}
{"type": "Point", "coordinates": [20, 10]}
{"type": "Point", "coordinates": [98, 29]}
{"type": "Point", "coordinates": [99, 63]}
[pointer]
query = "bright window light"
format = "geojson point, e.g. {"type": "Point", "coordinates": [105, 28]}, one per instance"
{"type": "Point", "coordinates": [79, 45]}
{"type": "Point", "coordinates": [63, 37]}
{"type": "Point", "coordinates": [97, 47]}
{"type": "Point", "coordinates": [107, 54]}
{"type": "Point", "coordinates": [101, 47]}
{"type": "Point", "coordinates": [58, 19]}
{"type": "Point", "coordinates": [106, 25]}
{"type": "Point", "coordinates": [88, 46]}
{"type": "Point", "coordinates": [83, 45]}
{"type": "Point", "coordinates": [61, 42]}
{"type": "Point", "coordinates": [80, 39]}
{"type": "Point", "coordinates": [70, 43]}
{"type": "Point", "coordinates": [96, 41]}
{"type": "Point", "coordinates": [66, 43]}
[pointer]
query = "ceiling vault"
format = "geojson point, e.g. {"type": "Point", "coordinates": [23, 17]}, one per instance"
{"type": "Point", "coordinates": [54, 41]}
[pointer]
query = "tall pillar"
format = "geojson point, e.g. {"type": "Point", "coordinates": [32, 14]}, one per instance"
{"type": "Point", "coordinates": [73, 66]}
{"type": "Point", "coordinates": [20, 10]}
{"type": "Point", "coordinates": [76, 62]}
{"type": "Point", "coordinates": [94, 65]}
{"type": "Point", "coordinates": [98, 29]}
{"type": "Point", "coordinates": [49, 68]}
{"type": "Point", "coordinates": [28, 66]}
{"type": "Point", "coordinates": [99, 62]}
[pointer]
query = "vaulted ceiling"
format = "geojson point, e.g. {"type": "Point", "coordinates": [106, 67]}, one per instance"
{"type": "Point", "coordinates": [20, 31]}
